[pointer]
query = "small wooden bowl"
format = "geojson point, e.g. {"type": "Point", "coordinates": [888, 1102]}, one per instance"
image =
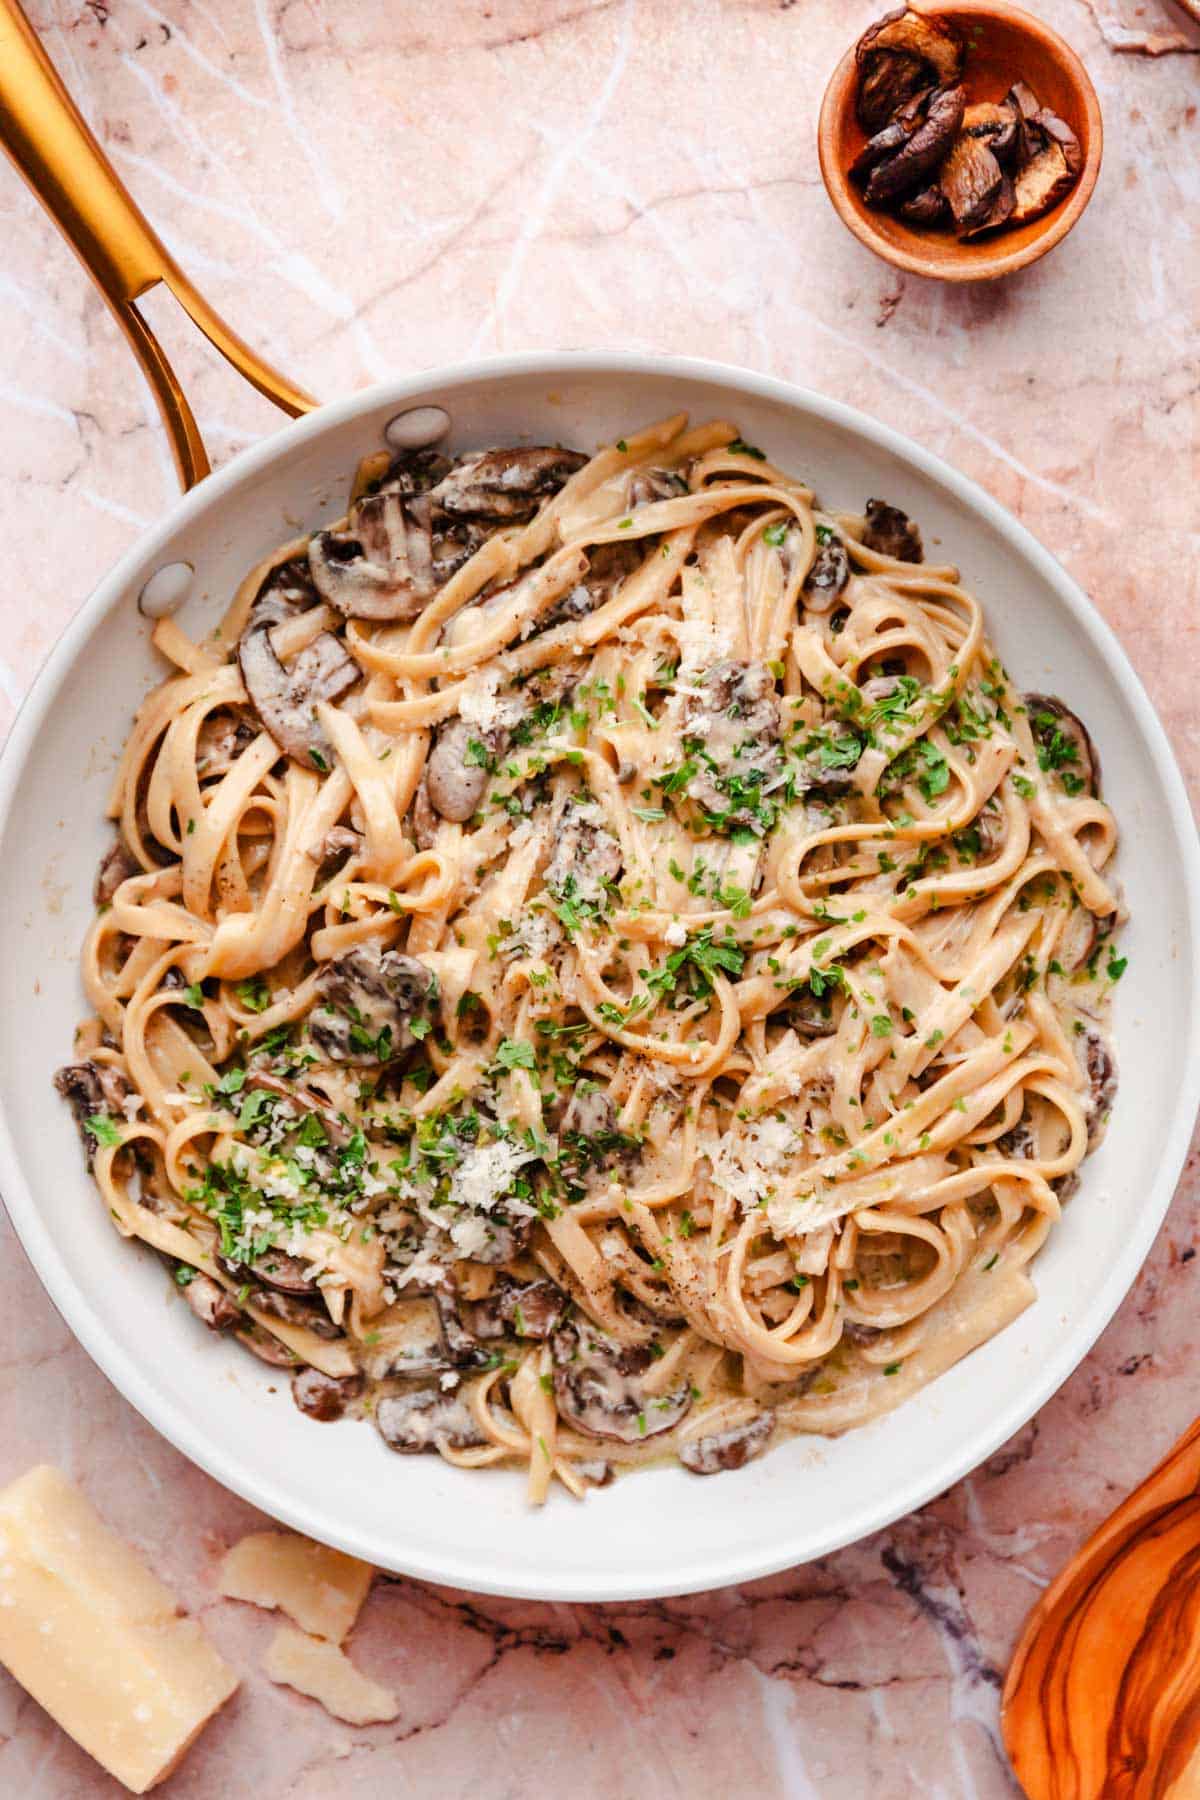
{"type": "Point", "coordinates": [1004, 45]}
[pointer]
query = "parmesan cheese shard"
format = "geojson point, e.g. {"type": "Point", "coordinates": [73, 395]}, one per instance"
{"type": "Point", "coordinates": [321, 1589]}
{"type": "Point", "coordinates": [319, 1669]}
{"type": "Point", "coordinates": [96, 1638]}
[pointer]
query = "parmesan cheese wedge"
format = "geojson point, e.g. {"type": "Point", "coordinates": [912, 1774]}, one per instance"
{"type": "Point", "coordinates": [96, 1638]}
{"type": "Point", "coordinates": [321, 1589]}
{"type": "Point", "coordinates": [319, 1669]}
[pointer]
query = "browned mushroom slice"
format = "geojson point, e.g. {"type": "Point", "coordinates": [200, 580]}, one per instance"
{"type": "Point", "coordinates": [828, 575]}
{"type": "Point", "coordinates": [460, 763]}
{"type": "Point", "coordinates": [890, 81]}
{"type": "Point", "coordinates": [807, 1014]}
{"type": "Point", "coordinates": [1100, 1069]}
{"type": "Point", "coordinates": [731, 1449]}
{"type": "Point", "coordinates": [324, 1397]}
{"type": "Point", "coordinates": [598, 1386]}
{"type": "Point", "coordinates": [266, 1347]}
{"type": "Point", "coordinates": [900, 53]}
{"type": "Point", "coordinates": [92, 1090]}
{"type": "Point", "coordinates": [1044, 180]}
{"type": "Point", "coordinates": [926, 207]}
{"type": "Point", "coordinates": [1082, 934]}
{"type": "Point", "coordinates": [505, 485]}
{"type": "Point", "coordinates": [222, 738]}
{"type": "Point", "coordinates": [1000, 213]}
{"type": "Point", "coordinates": [425, 1418]}
{"type": "Point", "coordinates": [285, 696]}
{"type": "Point", "coordinates": [381, 565]}
{"type": "Point", "coordinates": [211, 1304]}
{"type": "Point", "coordinates": [970, 180]}
{"type": "Point", "coordinates": [1064, 746]}
{"type": "Point", "coordinates": [925, 150]}
{"type": "Point", "coordinates": [369, 1000]}
{"type": "Point", "coordinates": [891, 532]}
{"type": "Point", "coordinates": [1060, 133]}
{"type": "Point", "coordinates": [413, 472]}
{"type": "Point", "coordinates": [893, 137]}
{"type": "Point", "coordinates": [116, 865]}
{"type": "Point", "coordinates": [997, 123]}
{"type": "Point", "coordinates": [275, 1269]}
{"type": "Point", "coordinates": [532, 1308]}
{"type": "Point", "coordinates": [295, 1309]}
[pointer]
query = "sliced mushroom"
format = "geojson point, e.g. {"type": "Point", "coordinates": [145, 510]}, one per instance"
{"type": "Point", "coordinates": [807, 1014]}
{"type": "Point", "coordinates": [370, 1001]}
{"type": "Point", "coordinates": [998, 124]}
{"type": "Point", "coordinates": [608, 565]}
{"type": "Point", "coordinates": [926, 207]}
{"type": "Point", "coordinates": [827, 577]}
{"type": "Point", "coordinates": [222, 738]}
{"type": "Point", "coordinates": [900, 53]}
{"type": "Point", "coordinates": [92, 1090]}
{"type": "Point", "coordinates": [116, 865]}
{"type": "Point", "coordinates": [425, 1418]}
{"type": "Point", "coordinates": [598, 1386]}
{"type": "Point", "coordinates": [413, 472]}
{"type": "Point", "coordinates": [649, 485]}
{"type": "Point", "coordinates": [1065, 748]}
{"type": "Point", "coordinates": [1100, 1068]}
{"type": "Point", "coordinates": [923, 152]}
{"type": "Point", "coordinates": [1045, 180]}
{"type": "Point", "coordinates": [731, 1449]}
{"type": "Point", "coordinates": [893, 137]}
{"type": "Point", "coordinates": [505, 485]}
{"type": "Point", "coordinates": [589, 1141]}
{"type": "Point", "coordinates": [533, 1309]}
{"type": "Point", "coordinates": [1060, 133]}
{"type": "Point", "coordinates": [324, 1397]}
{"type": "Point", "coordinates": [211, 1304]}
{"type": "Point", "coordinates": [285, 696]}
{"type": "Point", "coordinates": [275, 1269]}
{"type": "Point", "coordinates": [1082, 934]}
{"type": "Point", "coordinates": [889, 83]}
{"type": "Point", "coordinates": [381, 565]}
{"type": "Point", "coordinates": [1000, 213]}
{"type": "Point", "coordinates": [295, 1309]}
{"type": "Point", "coordinates": [970, 179]}
{"type": "Point", "coordinates": [459, 766]}
{"type": "Point", "coordinates": [266, 1347]}
{"type": "Point", "coordinates": [891, 532]}
{"type": "Point", "coordinates": [423, 821]}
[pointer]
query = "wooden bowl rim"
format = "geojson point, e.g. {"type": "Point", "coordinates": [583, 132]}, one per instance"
{"type": "Point", "coordinates": [966, 262]}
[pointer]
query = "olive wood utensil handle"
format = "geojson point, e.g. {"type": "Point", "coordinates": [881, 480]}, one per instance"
{"type": "Point", "coordinates": [1102, 1700]}
{"type": "Point", "coordinates": [46, 136]}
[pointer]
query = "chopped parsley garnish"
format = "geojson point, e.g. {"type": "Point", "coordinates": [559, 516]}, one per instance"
{"type": "Point", "coordinates": [254, 994]}
{"type": "Point", "coordinates": [104, 1130]}
{"type": "Point", "coordinates": [512, 1053]}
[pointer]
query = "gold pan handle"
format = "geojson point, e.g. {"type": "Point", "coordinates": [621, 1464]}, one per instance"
{"type": "Point", "coordinates": [45, 135]}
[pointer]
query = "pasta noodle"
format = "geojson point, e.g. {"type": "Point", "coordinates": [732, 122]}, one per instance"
{"type": "Point", "coordinates": [599, 961]}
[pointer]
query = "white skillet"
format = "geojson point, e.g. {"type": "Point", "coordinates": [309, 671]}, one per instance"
{"type": "Point", "coordinates": [663, 1531]}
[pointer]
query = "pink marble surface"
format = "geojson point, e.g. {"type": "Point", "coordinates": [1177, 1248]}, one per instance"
{"type": "Point", "coordinates": [394, 183]}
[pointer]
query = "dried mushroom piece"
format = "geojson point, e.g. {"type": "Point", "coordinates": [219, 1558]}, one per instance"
{"type": "Point", "coordinates": [926, 207]}
{"type": "Point", "coordinates": [1041, 184]}
{"type": "Point", "coordinates": [893, 137]}
{"type": "Point", "coordinates": [923, 152]}
{"type": "Point", "coordinates": [998, 124]}
{"type": "Point", "coordinates": [899, 54]}
{"type": "Point", "coordinates": [971, 179]}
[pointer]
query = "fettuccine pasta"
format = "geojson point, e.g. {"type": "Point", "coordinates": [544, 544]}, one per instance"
{"type": "Point", "coordinates": [599, 961]}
